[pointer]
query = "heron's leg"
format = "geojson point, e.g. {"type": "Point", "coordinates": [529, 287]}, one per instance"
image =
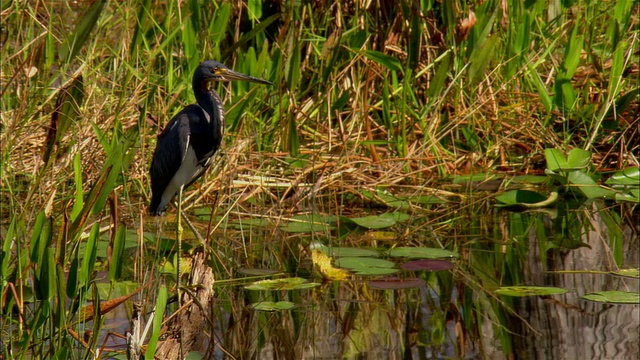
{"type": "Point", "coordinates": [193, 229]}
{"type": "Point", "coordinates": [179, 260]}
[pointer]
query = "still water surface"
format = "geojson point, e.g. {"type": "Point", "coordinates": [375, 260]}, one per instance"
{"type": "Point", "coordinates": [456, 314]}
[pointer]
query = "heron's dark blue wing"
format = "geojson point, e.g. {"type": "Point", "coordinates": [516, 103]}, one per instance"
{"type": "Point", "coordinates": [187, 140]}
{"type": "Point", "coordinates": [167, 158]}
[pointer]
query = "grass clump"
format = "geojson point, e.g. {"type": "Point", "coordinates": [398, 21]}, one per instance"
{"type": "Point", "coordinates": [369, 95]}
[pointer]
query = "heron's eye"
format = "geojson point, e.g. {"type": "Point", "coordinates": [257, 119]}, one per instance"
{"type": "Point", "coordinates": [214, 70]}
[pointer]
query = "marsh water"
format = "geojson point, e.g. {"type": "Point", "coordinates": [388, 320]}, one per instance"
{"type": "Point", "coordinates": [454, 313]}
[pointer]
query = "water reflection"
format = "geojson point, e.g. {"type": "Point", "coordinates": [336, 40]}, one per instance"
{"type": "Point", "coordinates": [456, 314]}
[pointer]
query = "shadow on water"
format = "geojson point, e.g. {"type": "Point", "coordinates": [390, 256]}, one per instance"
{"type": "Point", "coordinates": [456, 313]}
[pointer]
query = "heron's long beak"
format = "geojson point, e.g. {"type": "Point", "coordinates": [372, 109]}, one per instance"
{"type": "Point", "coordinates": [230, 75]}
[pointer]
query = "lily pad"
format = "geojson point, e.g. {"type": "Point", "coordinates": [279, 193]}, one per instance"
{"type": "Point", "coordinates": [629, 176]}
{"type": "Point", "coordinates": [615, 297]}
{"type": "Point", "coordinates": [520, 291]}
{"type": "Point", "coordinates": [352, 252]}
{"type": "Point", "coordinates": [526, 199]}
{"type": "Point", "coordinates": [273, 306]}
{"type": "Point", "coordinates": [422, 253]}
{"type": "Point", "coordinates": [343, 251]}
{"type": "Point", "coordinates": [427, 264]}
{"type": "Point", "coordinates": [396, 283]}
{"type": "Point", "coordinates": [634, 273]}
{"type": "Point", "coordinates": [380, 221]}
{"type": "Point", "coordinates": [576, 160]}
{"type": "Point", "coordinates": [367, 265]}
{"type": "Point", "coordinates": [632, 195]}
{"type": "Point", "coordinates": [588, 186]}
{"type": "Point", "coordinates": [294, 283]}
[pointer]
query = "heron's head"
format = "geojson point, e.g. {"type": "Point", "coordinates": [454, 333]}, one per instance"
{"type": "Point", "coordinates": [214, 71]}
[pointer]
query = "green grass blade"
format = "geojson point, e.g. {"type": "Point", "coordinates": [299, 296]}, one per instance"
{"type": "Point", "coordinates": [89, 257]}
{"type": "Point", "coordinates": [437, 84]}
{"type": "Point", "coordinates": [37, 244]}
{"type": "Point", "coordinates": [72, 45]}
{"type": "Point", "coordinates": [161, 304]}
{"type": "Point", "coordinates": [78, 202]}
{"type": "Point", "coordinates": [385, 60]}
{"type": "Point", "coordinates": [117, 256]}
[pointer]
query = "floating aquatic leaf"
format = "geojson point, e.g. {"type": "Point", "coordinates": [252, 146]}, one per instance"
{"type": "Point", "coordinates": [273, 306]}
{"type": "Point", "coordinates": [588, 186]}
{"type": "Point", "coordinates": [526, 199]}
{"type": "Point", "coordinates": [343, 251]}
{"type": "Point", "coordinates": [323, 264]}
{"type": "Point", "coordinates": [577, 159]}
{"type": "Point", "coordinates": [294, 283]}
{"type": "Point", "coordinates": [352, 252]}
{"type": "Point", "coordinates": [520, 291]}
{"type": "Point", "coordinates": [257, 272]}
{"type": "Point", "coordinates": [629, 176]}
{"type": "Point", "coordinates": [367, 265]}
{"type": "Point", "coordinates": [422, 253]}
{"type": "Point", "coordinates": [427, 264]}
{"type": "Point", "coordinates": [634, 273]}
{"type": "Point", "coordinates": [396, 283]}
{"type": "Point", "coordinates": [380, 221]}
{"type": "Point", "coordinates": [632, 195]}
{"type": "Point", "coordinates": [615, 297]}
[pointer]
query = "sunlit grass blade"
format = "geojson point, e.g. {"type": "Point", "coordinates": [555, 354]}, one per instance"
{"type": "Point", "coordinates": [89, 257]}
{"type": "Point", "coordinates": [72, 45]}
{"type": "Point", "coordinates": [37, 243]}
{"type": "Point", "coordinates": [161, 303]}
{"type": "Point", "coordinates": [383, 59]}
{"type": "Point", "coordinates": [78, 202]}
{"type": "Point", "coordinates": [116, 263]}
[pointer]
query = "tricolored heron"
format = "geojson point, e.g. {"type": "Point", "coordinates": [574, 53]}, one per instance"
{"type": "Point", "coordinates": [186, 146]}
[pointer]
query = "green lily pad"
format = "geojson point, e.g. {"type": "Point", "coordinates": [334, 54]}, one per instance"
{"type": "Point", "coordinates": [422, 253]}
{"type": "Point", "coordinates": [615, 297]}
{"type": "Point", "coordinates": [366, 265]}
{"type": "Point", "coordinates": [634, 273]}
{"type": "Point", "coordinates": [294, 283]}
{"type": "Point", "coordinates": [273, 306]}
{"type": "Point", "coordinates": [629, 176]}
{"type": "Point", "coordinates": [380, 221]}
{"type": "Point", "coordinates": [520, 291]}
{"type": "Point", "coordinates": [588, 186]}
{"type": "Point", "coordinates": [631, 195]}
{"type": "Point", "coordinates": [577, 159]}
{"type": "Point", "coordinates": [343, 251]}
{"type": "Point", "coordinates": [526, 199]}
{"type": "Point", "coordinates": [352, 252]}
{"type": "Point", "coordinates": [396, 283]}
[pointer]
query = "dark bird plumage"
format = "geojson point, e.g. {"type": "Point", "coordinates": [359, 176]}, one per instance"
{"type": "Point", "coordinates": [187, 145]}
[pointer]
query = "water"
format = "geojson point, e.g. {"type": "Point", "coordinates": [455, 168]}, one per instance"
{"type": "Point", "coordinates": [457, 314]}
